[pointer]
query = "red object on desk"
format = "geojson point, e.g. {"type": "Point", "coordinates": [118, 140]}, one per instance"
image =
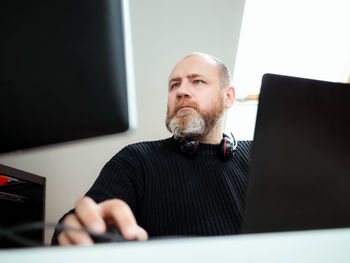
{"type": "Point", "coordinates": [3, 179]}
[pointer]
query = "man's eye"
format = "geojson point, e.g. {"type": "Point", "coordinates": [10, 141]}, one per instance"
{"type": "Point", "coordinates": [197, 81]}
{"type": "Point", "coordinates": [174, 85]}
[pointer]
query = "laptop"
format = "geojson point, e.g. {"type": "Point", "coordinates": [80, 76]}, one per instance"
{"type": "Point", "coordinates": [299, 177]}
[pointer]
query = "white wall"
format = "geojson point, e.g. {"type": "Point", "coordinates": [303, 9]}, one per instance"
{"type": "Point", "coordinates": [163, 32]}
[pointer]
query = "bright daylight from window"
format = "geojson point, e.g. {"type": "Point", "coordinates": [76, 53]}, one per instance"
{"type": "Point", "coordinates": [292, 37]}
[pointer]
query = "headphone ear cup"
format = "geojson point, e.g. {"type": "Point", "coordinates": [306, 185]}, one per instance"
{"type": "Point", "coordinates": [189, 148]}
{"type": "Point", "coordinates": [226, 148]}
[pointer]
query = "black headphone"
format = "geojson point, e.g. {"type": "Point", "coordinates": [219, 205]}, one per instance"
{"type": "Point", "coordinates": [226, 150]}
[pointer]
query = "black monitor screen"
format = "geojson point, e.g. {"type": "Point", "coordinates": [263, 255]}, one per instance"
{"type": "Point", "coordinates": [66, 71]}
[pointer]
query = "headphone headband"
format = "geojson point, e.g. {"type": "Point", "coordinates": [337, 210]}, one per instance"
{"type": "Point", "coordinates": [226, 148]}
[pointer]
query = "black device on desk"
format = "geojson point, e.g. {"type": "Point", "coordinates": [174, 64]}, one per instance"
{"type": "Point", "coordinates": [299, 176]}
{"type": "Point", "coordinates": [66, 71]}
{"type": "Point", "coordinates": [112, 234]}
{"type": "Point", "coordinates": [22, 200]}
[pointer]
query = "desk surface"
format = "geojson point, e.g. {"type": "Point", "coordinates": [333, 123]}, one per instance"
{"type": "Point", "coordinates": [305, 246]}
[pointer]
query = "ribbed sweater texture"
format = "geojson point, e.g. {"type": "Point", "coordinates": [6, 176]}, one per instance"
{"type": "Point", "coordinates": [171, 194]}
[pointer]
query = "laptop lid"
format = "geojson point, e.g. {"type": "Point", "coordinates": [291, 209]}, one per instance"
{"type": "Point", "coordinates": [299, 176]}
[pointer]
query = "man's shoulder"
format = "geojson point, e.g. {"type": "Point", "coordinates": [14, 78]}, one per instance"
{"type": "Point", "coordinates": [244, 149]}
{"type": "Point", "coordinates": [149, 146]}
{"type": "Point", "coordinates": [153, 143]}
{"type": "Point", "coordinates": [245, 144]}
{"type": "Point", "coordinates": [137, 152]}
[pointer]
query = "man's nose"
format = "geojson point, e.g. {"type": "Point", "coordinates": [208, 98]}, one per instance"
{"type": "Point", "coordinates": [183, 91]}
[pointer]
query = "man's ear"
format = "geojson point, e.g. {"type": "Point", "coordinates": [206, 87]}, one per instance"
{"type": "Point", "coordinates": [229, 97]}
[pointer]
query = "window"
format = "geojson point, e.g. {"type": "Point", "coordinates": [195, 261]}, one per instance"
{"type": "Point", "coordinates": [292, 37]}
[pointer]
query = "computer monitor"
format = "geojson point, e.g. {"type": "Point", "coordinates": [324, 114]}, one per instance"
{"type": "Point", "coordinates": [66, 71]}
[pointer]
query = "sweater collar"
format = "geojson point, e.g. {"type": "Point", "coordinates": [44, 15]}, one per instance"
{"type": "Point", "coordinates": [204, 148]}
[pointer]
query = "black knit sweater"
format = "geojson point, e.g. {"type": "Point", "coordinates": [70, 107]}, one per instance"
{"type": "Point", "coordinates": [171, 194]}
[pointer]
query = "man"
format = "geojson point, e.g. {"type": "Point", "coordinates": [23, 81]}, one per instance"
{"type": "Point", "coordinates": [155, 188]}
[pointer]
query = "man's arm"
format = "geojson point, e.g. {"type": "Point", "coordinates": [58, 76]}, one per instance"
{"type": "Point", "coordinates": [112, 200]}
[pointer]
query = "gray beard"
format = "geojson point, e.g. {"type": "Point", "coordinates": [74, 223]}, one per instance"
{"type": "Point", "coordinates": [195, 127]}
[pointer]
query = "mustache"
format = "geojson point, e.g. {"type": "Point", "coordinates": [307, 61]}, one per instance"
{"type": "Point", "coordinates": [185, 103]}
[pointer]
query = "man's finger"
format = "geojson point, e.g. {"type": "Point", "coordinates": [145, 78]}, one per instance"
{"type": "Point", "coordinates": [142, 234]}
{"type": "Point", "coordinates": [63, 240]}
{"type": "Point", "coordinates": [89, 214]}
{"type": "Point", "coordinates": [120, 214]}
{"type": "Point", "coordinates": [72, 236]}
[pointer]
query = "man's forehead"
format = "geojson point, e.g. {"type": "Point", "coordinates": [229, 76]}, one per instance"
{"type": "Point", "coordinates": [189, 76]}
{"type": "Point", "coordinates": [194, 65]}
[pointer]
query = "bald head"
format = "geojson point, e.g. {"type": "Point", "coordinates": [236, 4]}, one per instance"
{"type": "Point", "coordinates": [223, 71]}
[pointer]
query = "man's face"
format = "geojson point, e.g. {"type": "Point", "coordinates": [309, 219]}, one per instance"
{"type": "Point", "coordinates": [195, 98]}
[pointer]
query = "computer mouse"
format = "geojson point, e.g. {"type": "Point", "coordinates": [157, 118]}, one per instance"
{"type": "Point", "coordinates": [112, 234]}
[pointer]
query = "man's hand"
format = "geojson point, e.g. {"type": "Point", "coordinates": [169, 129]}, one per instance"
{"type": "Point", "coordinates": [95, 217]}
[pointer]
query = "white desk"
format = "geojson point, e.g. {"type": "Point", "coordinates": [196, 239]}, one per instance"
{"type": "Point", "coordinates": [307, 246]}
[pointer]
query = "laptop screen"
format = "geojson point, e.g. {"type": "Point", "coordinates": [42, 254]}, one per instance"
{"type": "Point", "coordinates": [299, 177]}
